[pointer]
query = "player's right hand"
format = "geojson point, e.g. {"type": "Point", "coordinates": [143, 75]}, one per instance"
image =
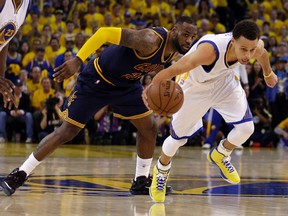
{"type": "Point", "coordinates": [67, 69]}
{"type": "Point", "coordinates": [6, 89]}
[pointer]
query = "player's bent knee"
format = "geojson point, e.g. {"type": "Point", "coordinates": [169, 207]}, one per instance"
{"type": "Point", "coordinates": [247, 128]}
{"type": "Point", "coordinates": [240, 133]}
{"type": "Point", "coordinates": [170, 146]}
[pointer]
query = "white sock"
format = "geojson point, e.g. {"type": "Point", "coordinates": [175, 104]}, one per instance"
{"type": "Point", "coordinates": [160, 166]}
{"type": "Point", "coordinates": [223, 150]}
{"type": "Point", "coordinates": [30, 164]}
{"type": "Point", "coordinates": [143, 167]}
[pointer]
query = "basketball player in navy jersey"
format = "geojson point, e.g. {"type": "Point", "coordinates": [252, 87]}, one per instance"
{"type": "Point", "coordinates": [12, 16]}
{"type": "Point", "coordinates": [113, 79]}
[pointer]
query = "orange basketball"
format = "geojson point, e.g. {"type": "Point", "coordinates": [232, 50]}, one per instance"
{"type": "Point", "coordinates": [165, 98]}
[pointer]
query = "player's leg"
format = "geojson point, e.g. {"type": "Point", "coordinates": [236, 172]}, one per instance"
{"type": "Point", "coordinates": [145, 143]}
{"type": "Point", "coordinates": [232, 105]}
{"type": "Point", "coordinates": [78, 109]}
{"type": "Point", "coordinates": [18, 176]}
{"type": "Point", "coordinates": [184, 124]}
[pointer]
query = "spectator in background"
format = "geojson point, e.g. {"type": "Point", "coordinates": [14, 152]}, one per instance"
{"type": "Point", "coordinates": [38, 100]}
{"type": "Point", "coordinates": [20, 118]}
{"type": "Point", "coordinates": [13, 56]}
{"type": "Point", "coordinates": [69, 45]}
{"type": "Point", "coordinates": [36, 44]}
{"type": "Point", "coordinates": [47, 17]}
{"type": "Point", "coordinates": [282, 131]}
{"type": "Point", "coordinates": [34, 81]}
{"type": "Point", "coordinates": [108, 128]}
{"type": "Point", "coordinates": [59, 25]}
{"type": "Point", "coordinates": [41, 62]}
{"type": "Point", "coordinates": [278, 95]}
{"type": "Point", "coordinates": [92, 17]}
{"type": "Point", "coordinates": [263, 135]}
{"type": "Point", "coordinates": [24, 48]}
{"type": "Point", "coordinates": [53, 50]}
{"type": "Point", "coordinates": [23, 77]}
{"type": "Point", "coordinates": [127, 21]}
{"type": "Point", "coordinates": [146, 80]}
{"type": "Point", "coordinates": [180, 9]}
{"type": "Point", "coordinates": [80, 40]}
{"type": "Point", "coordinates": [70, 32]}
{"type": "Point", "coordinates": [256, 81]}
{"type": "Point", "coordinates": [50, 117]}
{"type": "Point", "coordinates": [42, 94]}
{"type": "Point", "coordinates": [215, 26]}
{"type": "Point", "coordinates": [46, 35]}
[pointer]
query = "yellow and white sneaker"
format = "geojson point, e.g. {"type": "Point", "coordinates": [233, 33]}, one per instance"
{"type": "Point", "coordinates": [158, 187]}
{"type": "Point", "coordinates": [228, 171]}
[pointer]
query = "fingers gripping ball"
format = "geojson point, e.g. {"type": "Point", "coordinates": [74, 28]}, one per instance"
{"type": "Point", "coordinates": [166, 98]}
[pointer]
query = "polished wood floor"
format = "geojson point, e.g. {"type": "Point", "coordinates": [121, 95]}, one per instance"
{"type": "Point", "coordinates": [95, 180]}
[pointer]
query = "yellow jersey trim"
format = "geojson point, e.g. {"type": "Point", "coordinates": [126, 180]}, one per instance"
{"type": "Point", "coordinates": [133, 117]}
{"type": "Point", "coordinates": [16, 7]}
{"type": "Point", "coordinates": [64, 115]}
{"type": "Point", "coordinates": [99, 71]}
{"type": "Point", "coordinates": [150, 56]}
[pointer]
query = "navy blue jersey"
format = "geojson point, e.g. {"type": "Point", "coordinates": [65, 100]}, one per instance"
{"type": "Point", "coordinates": [120, 65]}
{"type": "Point", "coordinates": [113, 79]}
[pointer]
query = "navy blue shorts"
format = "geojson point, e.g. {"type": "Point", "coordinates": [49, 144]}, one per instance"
{"type": "Point", "coordinates": [91, 93]}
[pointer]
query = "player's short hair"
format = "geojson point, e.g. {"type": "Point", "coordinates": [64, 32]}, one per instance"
{"type": "Point", "coordinates": [185, 19]}
{"type": "Point", "coordinates": [247, 29]}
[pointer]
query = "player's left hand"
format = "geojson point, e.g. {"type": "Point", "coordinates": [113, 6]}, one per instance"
{"type": "Point", "coordinates": [271, 80]}
{"type": "Point", "coordinates": [67, 69]}
{"type": "Point", "coordinates": [6, 89]}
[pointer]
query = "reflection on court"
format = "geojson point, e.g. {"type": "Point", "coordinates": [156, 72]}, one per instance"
{"type": "Point", "coordinates": [95, 180]}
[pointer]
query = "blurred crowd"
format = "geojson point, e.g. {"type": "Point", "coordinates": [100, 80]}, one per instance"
{"type": "Point", "coordinates": [54, 31]}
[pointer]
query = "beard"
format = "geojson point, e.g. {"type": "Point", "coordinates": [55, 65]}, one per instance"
{"type": "Point", "coordinates": [178, 47]}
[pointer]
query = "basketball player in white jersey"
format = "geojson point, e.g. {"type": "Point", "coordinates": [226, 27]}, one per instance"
{"type": "Point", "coordinates": [12, 16]}
{"type": "Point", "coordinates": [208, 81]}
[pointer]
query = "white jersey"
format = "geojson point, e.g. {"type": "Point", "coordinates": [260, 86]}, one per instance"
{"type": "Point", "coordinates": [214, 86]}
{"type": "Point", "coordinates": [11, 19]}
{"type": "Point", "coordinates": [221, 44]}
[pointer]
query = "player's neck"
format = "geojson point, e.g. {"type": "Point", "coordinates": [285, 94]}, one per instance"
{"type": "Point", "coordinates": [231, 56]}
{"type": "Point", "coordinates": [17, 2]}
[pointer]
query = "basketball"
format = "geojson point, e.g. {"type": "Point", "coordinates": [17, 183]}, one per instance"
{"type": "Point", "coordinates": [165, 99]}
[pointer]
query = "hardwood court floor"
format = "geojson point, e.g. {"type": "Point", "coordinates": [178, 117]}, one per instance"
{"type": "Point", "coordinates": [95, 180]}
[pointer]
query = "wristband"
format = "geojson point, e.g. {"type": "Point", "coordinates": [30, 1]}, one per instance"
{"type": "Point", "coordinates": [269, 75]}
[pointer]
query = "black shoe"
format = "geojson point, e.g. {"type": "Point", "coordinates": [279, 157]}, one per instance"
{"type": "Point", "coordinates": [13, 181]}
{"type": "Point", "coordinates": [142, 184]}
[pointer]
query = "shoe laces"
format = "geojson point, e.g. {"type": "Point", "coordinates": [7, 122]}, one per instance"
{"type": "Point", "coordinates": [227, 164]}
{"type": "Point", "coordinates": [161, 179]}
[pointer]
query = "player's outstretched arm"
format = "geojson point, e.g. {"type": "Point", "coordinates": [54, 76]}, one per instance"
{"type": "Point", "coordinates": [203, 55]}
{"type": "Point", "coordinates": [144, 41]}
{"type": "Point", "coordinates": [262, 57]}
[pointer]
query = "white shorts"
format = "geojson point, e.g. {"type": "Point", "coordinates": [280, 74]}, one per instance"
{"type": "Point", "coordinates": [224, 94]}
